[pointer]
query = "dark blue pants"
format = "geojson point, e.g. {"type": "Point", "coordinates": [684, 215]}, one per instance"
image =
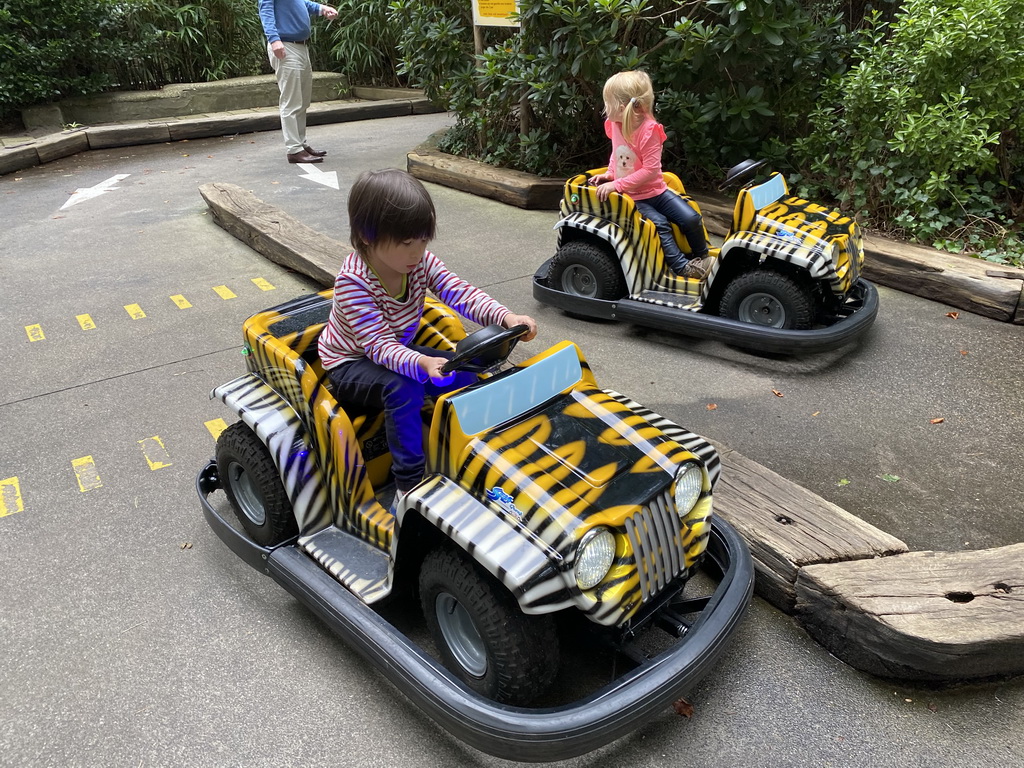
{"type": "Point", "coordinates": [401, 399]}
{"type": "Point", "coordinates": [666, 209]}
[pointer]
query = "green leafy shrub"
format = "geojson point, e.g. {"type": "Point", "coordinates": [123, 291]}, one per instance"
{"type": "Point", "coordinates": [921, 137]}
{"type": "Point", "coordinates": [361, 44]}
{"type": "Point", "coordinates": [729, 75]}
{"type": "Point", "coordinates": [53, 50]}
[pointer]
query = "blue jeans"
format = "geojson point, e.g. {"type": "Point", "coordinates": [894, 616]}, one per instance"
{"type": "Point", "coordinates": [401, 398]}
{"type": "Point", "coordinates": [666, 209]}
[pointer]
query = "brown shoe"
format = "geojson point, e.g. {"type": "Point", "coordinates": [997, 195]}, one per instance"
{"type": "Point", "coordinates": [302, 156]}
{"type": "Point", "coordinates": [695, 268]}
{"type": "Point", "coordinates": [315, 152]}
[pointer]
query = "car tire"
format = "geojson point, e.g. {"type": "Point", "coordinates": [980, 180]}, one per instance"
{"type": "Point", "coordinates": [482, 635]}
{"type": "Point", "coordinates": [768, 298]}
{"type": "Point", "coordinates": [252, 483]}
{"type": "Point", "coordinates": [582, 268]}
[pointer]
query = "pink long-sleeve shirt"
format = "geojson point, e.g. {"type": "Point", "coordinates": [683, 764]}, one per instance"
{"type": "Point", "coordinates": [367, 321]}
{"type": "Point", "coordinates": [635, 165]}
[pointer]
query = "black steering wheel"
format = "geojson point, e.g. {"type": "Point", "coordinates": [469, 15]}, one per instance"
{"type": "Point", "coordinates": [485, 349]}
{"type": "Point", "coordinates": [741, 173]}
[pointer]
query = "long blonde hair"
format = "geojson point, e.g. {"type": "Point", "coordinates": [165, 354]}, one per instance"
{"type": "Point", "coordinates": [635, 92]}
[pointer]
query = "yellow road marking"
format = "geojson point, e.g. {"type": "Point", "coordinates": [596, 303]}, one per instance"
{"type": "Point", "coordinates": [88, 476]}
{"type": "Point", "coordinates": [224, 292]}
{"type": "Point", "coordinates": [135, 311]}
{"type": "Point", "coordinates": [262, 284]}
{"type": "Point", "coordinates": [86, 322]}
{"type": "Point", "coordinates": [35, 332]}
{"type": "Point", "coordinates": [181, 301]}
{"type": "Point", "coordinates": [216, 426]}
{"type": "Point", "coordinates": [10, 497]}
{"type": "Point", "coordinates": [155, 453]}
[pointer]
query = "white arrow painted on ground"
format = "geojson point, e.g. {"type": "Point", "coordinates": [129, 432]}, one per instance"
{"type": "Point", "coordinates": [82, 194]}
{"type": "Point", "coordinates": [327, 178]}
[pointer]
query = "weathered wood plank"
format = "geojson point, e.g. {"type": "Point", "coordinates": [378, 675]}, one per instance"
{"type": "Point", "coordinates": [275, 234]}
{"type": "Point", "coordinates": [522, 190]}
{"type": "Point", "coordinates": [17, 158]}
{"type": "Point", "coordinates": [922, 615]}
{"type": "Point", "coordinates": [127, 134]}
{"type": "Point", "coordinates": [960, 281]}
{"type": "Point", "coordinates": [787, 527]}
{"type": "Point", "coordinates": [222, 125]}
{"type": "Point", "coordinates": [60, 145]}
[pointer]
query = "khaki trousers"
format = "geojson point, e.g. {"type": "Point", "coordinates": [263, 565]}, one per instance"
{"type": "Point", "coordinates": [295, 83]}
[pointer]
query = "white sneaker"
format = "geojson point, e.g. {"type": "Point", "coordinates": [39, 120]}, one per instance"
{"type": "Point", "coordinates": [399, 495]}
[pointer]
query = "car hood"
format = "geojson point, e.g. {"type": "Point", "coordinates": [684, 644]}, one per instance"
{"type": "Point", "coordinates": [579, 460]}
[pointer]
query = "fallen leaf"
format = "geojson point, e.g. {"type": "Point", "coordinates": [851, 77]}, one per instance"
{"type": "Point", "coordinates": [712, 407]}
{"type": "Point", "coordinates": [843, 482]}
{"type": "Point", "coordinates": [683, 707]}
{"type": "Point", "coordinates": [186, 545]}
{"type": "Point", "coordinates": [890, 478]}
{"type": "Point", "coordinates": [937, 421]}
{"type": "Point", "coordinates": [185, 155]}
{"type": "Point", "coordinates": [815, 413]}
{"type": "Point", "coordinates": [963, 352]}
{"type": "Point", "coordinates": [777, 393]}
{"type": "Point", "coordinates": [954, 315]}
{"type": "Point", "coordinates": [909, 701]}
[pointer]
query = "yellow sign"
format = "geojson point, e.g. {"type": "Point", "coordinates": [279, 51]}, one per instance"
{"type": "Point", "coordinates": [494, 13]}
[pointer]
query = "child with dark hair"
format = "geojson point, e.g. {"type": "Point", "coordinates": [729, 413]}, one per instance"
{"type": "Point", "coordinates": [378, 302]}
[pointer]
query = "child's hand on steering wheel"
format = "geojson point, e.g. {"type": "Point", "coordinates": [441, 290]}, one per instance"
{"type": "Point", "coordinates": [512, 320]}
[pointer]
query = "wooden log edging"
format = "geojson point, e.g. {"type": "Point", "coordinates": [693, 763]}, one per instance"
{"type": "Point", "coordinates": [963, 282]}
{"type": "Point", "coordinates": [922, 616]}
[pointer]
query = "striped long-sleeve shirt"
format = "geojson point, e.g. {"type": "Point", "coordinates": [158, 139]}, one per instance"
{"type": "Point", "coordinates": [366, 321]}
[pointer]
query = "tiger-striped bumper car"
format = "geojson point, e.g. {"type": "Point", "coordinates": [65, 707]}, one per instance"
{"type": "Point", "coordinates": [786, 279]}
{"type": "Point", "coordinates": [554, 516]}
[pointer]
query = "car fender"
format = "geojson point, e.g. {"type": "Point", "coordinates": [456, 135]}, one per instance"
{"type": "Point", "coordinates": [278, 426]}
{"type": "Point", "coordinates": [527, 567]}
{"type": "Point", "coordinates": [809, 254]}
{"type": "Point", "coordinates": [637, 270]}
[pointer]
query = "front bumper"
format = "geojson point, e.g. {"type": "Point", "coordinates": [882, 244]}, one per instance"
{"type": "Point", "coordinates": [863, 297]}
{"type": "Point", "coordinates": [514, 733]}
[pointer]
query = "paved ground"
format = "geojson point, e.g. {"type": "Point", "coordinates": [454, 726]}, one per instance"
{"type": "Point", "coordinates": [132, 636]}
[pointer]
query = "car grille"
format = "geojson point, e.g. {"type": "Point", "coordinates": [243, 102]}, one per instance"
{"type": "Point", "coordinates": [654, 533]}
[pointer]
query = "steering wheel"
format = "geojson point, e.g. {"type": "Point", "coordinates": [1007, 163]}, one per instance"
{"type": "Point", "coordinates": [741, 173]}
{"type": "Point", "coordinates": [484, 349]}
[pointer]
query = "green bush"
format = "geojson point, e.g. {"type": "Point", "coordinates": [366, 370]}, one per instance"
{"type": "Point", "coordinates": [730, 75]}
{"type": "Point", "coordinates": [921, 137]}
{"type": "Point", "coordinates": [360, 44]}
{"type": "Point", "coordinates": [54, 50]}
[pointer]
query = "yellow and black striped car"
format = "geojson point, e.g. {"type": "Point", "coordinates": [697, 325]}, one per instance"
{"type": "Point", "coordinates": [785, 280]}
{"type": "Point", "coordinates": [547, 501]}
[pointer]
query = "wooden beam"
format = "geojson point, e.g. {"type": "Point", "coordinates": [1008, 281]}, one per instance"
{"type": "Point", "coordinates": [275, 234]}
{"type": "Point", "coordinates": [938, 616]}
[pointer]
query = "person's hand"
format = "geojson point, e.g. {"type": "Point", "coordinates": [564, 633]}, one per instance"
{"type": "Point", "coordinates": [601, 177]}
{"type": "Point", "coordinates": [328, 12]}
{"type": "Point", "coordinates": [603, 190]}
{"type": "Point", "coordinates": [277, 48]}
{"type": "Point", "coordinates": [513, 320]}
{"type": "Point", "coordinates": [432, 366]}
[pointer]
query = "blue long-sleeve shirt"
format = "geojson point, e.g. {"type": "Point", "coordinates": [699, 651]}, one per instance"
{"type": "Point", "coordinates": [287, 20]}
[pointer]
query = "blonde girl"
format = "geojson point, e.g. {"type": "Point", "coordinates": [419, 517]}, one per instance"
{"type": "Point", "coordinates": [634, 169]}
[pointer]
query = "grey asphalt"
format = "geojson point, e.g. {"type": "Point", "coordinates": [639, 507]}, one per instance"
{"type": "Point", "coordinates": [132, 636]}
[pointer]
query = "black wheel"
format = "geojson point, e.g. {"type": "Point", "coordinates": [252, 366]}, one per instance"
{"type": "Point", "coordinates": [482, 635]}
{"type": "Point", "coordinates": [769, 298]}
{"type": "Point", "coordinates": [253, 486]}
{"type": "Point", "coordinates": [581, 268]}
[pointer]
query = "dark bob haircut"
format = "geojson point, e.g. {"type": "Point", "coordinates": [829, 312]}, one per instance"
{"type": "Point", "coordinates": [389, 206]}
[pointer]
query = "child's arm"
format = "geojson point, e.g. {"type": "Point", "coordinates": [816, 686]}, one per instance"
{"type": "Point", "coordinates": [648, 142]}
{"type": "Point", "coordinates": [367, 326]}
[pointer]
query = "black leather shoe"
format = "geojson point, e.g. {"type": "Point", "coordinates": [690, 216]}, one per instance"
{"type": "Point", "coordinates": [302, 156]}
{"type": "Point", "coordinates": [315, 152]}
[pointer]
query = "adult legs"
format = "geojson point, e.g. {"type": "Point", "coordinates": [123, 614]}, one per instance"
{"type": "Point", "coordinates": [295, 84]}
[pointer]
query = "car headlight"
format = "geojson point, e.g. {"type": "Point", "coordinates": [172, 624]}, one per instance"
{"type": "Point", "coordinates": [594, 557]}
{"type": "Point", "coordinates": [689, 481]}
